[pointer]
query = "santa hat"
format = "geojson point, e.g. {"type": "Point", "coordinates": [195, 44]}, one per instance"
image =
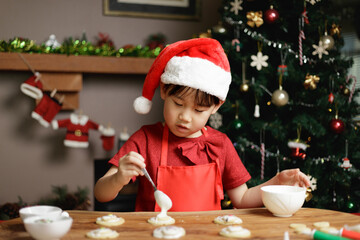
{"type": "Point", "coordinates": [33, 86]}
{"type": "Point", "coordinates": [199, 63]}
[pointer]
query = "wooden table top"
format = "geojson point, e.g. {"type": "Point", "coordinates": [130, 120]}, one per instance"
{"type": "Point", "coordinates": [198, 225]}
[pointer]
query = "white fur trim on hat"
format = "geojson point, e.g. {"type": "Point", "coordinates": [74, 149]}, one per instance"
{"type": "Point", "coordinates": [142, 105]}
{"type": "Point", "coordinates": [197, 73]}
{"type": "Point", "coordinates": [31, 91]}
{"type": "Point", "coordinates": [55, 124]}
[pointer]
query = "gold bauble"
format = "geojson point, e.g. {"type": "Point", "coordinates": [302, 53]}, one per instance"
{"type": "Point", "coordinates": [346, 91]}
{"type": "Point", "coordinates": [244, 87]}
{"type": "Point", "coordinates": [219, 28]}
{"type": "Point", "coordinates": [280, 98]}
{"type": "Point", "coordinates": [328, 41]}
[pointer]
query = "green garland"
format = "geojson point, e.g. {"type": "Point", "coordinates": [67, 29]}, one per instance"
{"type": "Point", "coordinates": [77, 47]}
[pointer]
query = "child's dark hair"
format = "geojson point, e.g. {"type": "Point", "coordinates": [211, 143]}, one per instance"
{"type": "Point", "coordinates": [201, 98]}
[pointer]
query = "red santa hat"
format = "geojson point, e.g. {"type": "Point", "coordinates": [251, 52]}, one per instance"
{"type": "Point", "coordinates": [33, 86]}
{"type": "Point", "coordinates": [199, 63]}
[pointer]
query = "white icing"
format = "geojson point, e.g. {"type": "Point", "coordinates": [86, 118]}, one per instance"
{"type": "Point", "coordinates": [109, 218]}
{"type": "Point", "coordinates": [169, 232]}
{"type": "Point", "coordinates": [228, 219]}
{"type": "Point", "coordinates": [103, 233]}
{"type": "Point", "coordinates": [163, 201]}
{"type": "Point", "coordinates": [235, 231]}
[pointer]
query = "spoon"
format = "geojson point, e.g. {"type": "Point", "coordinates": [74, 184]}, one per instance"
{"type": "Point", "coordinates": [149, 178]}
{"type": "Point", "coordinates": [161, 198]}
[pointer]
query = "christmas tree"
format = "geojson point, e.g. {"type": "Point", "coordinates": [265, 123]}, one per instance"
{"type": "Point", "coordinates": [291, 103]}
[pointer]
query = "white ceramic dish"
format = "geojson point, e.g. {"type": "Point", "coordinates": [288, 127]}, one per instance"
{"type": "Point", "coordinates": [282, 200]}
{"type": "Point", "coordinates": [40, 210]}
{"type": "Point", "coordinates": [47, 228]}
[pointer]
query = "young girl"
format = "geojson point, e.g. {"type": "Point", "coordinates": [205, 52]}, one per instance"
{"type": "Point", "coordinates": [189, 161]}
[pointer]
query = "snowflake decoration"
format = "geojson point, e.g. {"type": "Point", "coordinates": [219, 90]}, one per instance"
{"type": "Point", "coordinates": [259, 61]}
{"type": "Point", "coordinates": [313, 182]}
{"type": "Point", "coordinates": [236, 6]}
{"type": "Point", "coordinates": [216, 120]}
{"type": "Point", "coordinates": [320, 50]}
{"type": "Point", "coordinates": [312, 2]}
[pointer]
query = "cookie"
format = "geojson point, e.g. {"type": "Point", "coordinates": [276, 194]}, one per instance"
{"type": "Point", "coordinates": [161, 220]}
{"type": "Point", "coordinates": [321, 224]}
{"type": "Point", "coordinates": [102, 233]}
{"type": "Point", "coordinates": [297, 226]}
{"type": "Point", "coordinates": [235, 232]}
{"type": "Point", "coordinates": [228, 220]}
{"type": "Point", "coordinates": [169, 232]}
{"type": "Point", "coordinates": [110, 220]}
{"type": "Point", "coordinates": [330, 230]}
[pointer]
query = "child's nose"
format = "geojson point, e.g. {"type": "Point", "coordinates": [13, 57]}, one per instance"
{"type": "Point", "coordinates": [185, 116]}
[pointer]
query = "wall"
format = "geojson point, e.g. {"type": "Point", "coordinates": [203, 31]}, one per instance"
{"type": "Point", "coordinates": [33, 158]}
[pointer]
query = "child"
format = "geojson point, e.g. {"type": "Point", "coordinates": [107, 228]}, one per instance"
{"type": "Point", "coordinates": [190, 162]}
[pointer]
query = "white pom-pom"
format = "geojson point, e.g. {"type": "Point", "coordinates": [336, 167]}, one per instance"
{"type": "Point", "coordinates": [142, 105]}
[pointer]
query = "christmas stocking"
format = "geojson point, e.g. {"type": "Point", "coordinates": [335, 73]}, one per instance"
{"type": "Point", "coordinates": [46, 110]}
{"type": "Point", "coordinates": [32, 87]}
{"type": "Point", "coordinates": [108, 136]}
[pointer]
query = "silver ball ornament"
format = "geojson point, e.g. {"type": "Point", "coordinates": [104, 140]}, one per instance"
{"type": "Point", "coordinates": [280, 98]}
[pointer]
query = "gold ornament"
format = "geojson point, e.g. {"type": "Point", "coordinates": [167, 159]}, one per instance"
{"type": "Point", "coordinates": [311, 81]}
{"type": "Point", "coordinates": [219, 28]}
{"type": "Point", "coordinates": [335, 30]}
{"type": "Point", "coordinates": [346, 91]}
{"type": "Point", "coordinates": [244, 87]}
{"type": "Point", "coordinates": [206, 34]}
{"type": "Point", "coordinates": [280, 98]}
{"type": "Point", "coordinates": [254, 18]}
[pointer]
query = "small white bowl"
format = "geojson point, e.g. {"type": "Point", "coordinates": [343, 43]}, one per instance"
{"type": "Point", "coordinates": [40, 210]}
{"type": "Point", "coordinates": [283, 200]}
{"type": "Point", "coordinates": [48, 228]}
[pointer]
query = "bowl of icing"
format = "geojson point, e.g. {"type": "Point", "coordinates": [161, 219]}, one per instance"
{"type": "Point", "coordinates": [48, 228]}
{"type": "Point", "coordinates": [283, 200]}
{"type": "Point", "coordinates": [41, 210]}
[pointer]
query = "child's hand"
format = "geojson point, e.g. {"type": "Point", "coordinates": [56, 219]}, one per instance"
{"type": "Point", "coordinates": [130, 165]}
{"type": "Point", "coordinates": [293, 177]}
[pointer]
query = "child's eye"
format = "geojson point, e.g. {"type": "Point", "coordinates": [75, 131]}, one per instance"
{"type": "Point", "coordinates": [178, 104]}
{"type": "Point", "coordinates": [199, 111]}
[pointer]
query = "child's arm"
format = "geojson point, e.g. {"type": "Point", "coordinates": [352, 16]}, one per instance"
{"type": "Point", "coordinates": [242, 197]}
{"type": "Point", "coordinates": [108, 186]}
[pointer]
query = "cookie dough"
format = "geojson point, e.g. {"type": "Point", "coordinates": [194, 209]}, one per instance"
{"type": "Point", "coordinates": [228, 220]}
{"type": "Point", "coordinates": [161, 220]}
{"type": "Point", "coordinates": [110, 220]}
{"type": "Point", "coordinates": [102, 233]}
{"type": "Point", "coordinates": [235, 232]}
{"type": "Point", "coordinates": [169, 232]}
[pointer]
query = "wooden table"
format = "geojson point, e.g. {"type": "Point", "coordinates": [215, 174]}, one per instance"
{"type": "Point", "coordinates": [198, 225]}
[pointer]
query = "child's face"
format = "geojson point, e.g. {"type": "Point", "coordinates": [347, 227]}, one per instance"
{"type": "Point", "coordinates": [183, 117]}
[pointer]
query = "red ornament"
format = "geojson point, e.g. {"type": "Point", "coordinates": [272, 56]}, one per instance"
{"type": "Point", "coordinates": [271, 15]}
{"type": "Point", "coordinates": [337, 126]}
{"type": "Point", "coordinates": [298, 149]}
{"type": "Point", "coordinates": [331, 98]}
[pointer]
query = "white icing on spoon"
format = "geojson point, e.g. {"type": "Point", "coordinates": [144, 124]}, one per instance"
{"type": "Point", "coordinates": [163, 201]}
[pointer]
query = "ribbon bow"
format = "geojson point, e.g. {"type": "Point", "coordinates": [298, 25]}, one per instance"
{"type": "Point", "coordinates": [254, 18]}
{"type": "Point", "coordinates": [311, 81]}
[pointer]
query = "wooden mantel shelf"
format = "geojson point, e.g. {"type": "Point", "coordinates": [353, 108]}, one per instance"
{"type": "Point", "coordinates": [74, 64]}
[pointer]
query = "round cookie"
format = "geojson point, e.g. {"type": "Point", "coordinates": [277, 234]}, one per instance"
{"type": "Point", "coordinates": [169, 232]}
{"type": "Point", "coordinates": [235, 232]}
{"type": "Point", "coordinates": [102, 233]}
{"type": "Point", "coordinates": [110, 220]}
{"type": "Point", "coordinates": [228, 220]}
{"type": "Point", "coordinates": [161, 220]}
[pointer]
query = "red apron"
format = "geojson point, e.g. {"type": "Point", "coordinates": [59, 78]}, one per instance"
{"type": "Point", "coordinates": [191, 188]}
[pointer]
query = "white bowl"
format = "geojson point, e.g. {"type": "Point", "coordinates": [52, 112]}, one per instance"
{"type": "Point", "coordinates": [40, 210]}
{"type": "Point", "coordinates": [282, 200]}
{"type": "Point", "coordinates": [48, 228]}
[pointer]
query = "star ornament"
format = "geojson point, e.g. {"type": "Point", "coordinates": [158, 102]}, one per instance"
{"type": "Point", "coordinates": [320, 49]}
{"type": "Point", "coordinates": [236, 6]}
{"type": "Point", "coordinates": [259, 61]}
